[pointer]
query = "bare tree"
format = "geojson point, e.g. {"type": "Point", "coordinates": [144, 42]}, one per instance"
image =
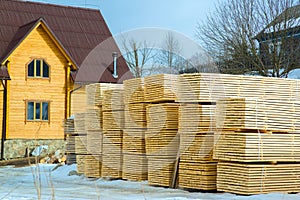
{"type": "Point", "coordinates": [168, 58]}
{"type": "Point", "coordinates": [246, 36]}
{"type": "Point", "coordinates": [137, 55]}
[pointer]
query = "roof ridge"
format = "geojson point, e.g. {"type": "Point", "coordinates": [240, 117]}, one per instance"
{"type": "Point", "coordinates": [53, 5]}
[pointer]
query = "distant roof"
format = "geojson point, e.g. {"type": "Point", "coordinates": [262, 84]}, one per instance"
{"type": "Point", "coordinates": [287, 20]}
{"type": "Point", "coordinates": [79, 30]}
{"type": "Point", "coordinates": [4, 73]}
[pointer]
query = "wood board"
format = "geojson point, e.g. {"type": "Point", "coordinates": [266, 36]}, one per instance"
{"type": "Point", "coordinates": [81, 144]}
{"type": "Point", "coordinates": [162, 116]}
{"type": "Point", "coordinates": [160, 88]}
{"type": "Point", "coordinates": [92, 166]}
{"type": "Point", "coordinates": [209, 87]}
{"type": "Point", "coordinates": [194, 118]}
{"type": "Point", "coordinates": [134, 91]}
{"type": "Point", "coordinates": [249, 113]}
{"type": "Point", "coordinates": [134, 141]}
{"type": "Point", "coordinates": [248, 179]}
{"type": "Point", "coordinates": [112, 165]}
{"type": "Point", "coordinates": [94, 92]}
{"type": "Point", "coordinates": [253, 146]}
{"type": "Point", "coordinates": [135, 167]}
{"type": "Point", "coordinates": [80, 163]}
{"type": "Point", "coordinates": [93, 119]}
{"type": "Point", "coordinates": [113, 100]}
{"type": "Point", "coordinates": [79, 123]}
{"type": "Point", "coordinates": [94, 142]}
{"type": "Point", "coordinates": [113, 120]}
{"type": "Point", "coordinates": [160, 170]}
{"type": "Point", "coordinates": [135, 116]}
{"type": "Point", "coordinates": [198, 175]}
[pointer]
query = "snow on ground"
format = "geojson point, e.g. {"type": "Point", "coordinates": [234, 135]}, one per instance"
{"type": "Point", "coordinates": [18, 183]}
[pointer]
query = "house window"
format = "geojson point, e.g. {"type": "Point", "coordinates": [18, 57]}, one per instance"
{"type": "Point", "coordinates": [37, 111]}
{"type": "Point", "coordinates": [38, 68]}
{"type": "Point", "coordinates": [275, 47]}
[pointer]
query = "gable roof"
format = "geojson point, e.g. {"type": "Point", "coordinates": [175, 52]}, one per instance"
{"type": "Point", "coordinates": [289, 20]}
{"type": "Point", "coordinates": [78, 30]}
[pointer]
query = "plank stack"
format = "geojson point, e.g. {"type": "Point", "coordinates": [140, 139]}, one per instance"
{"type": "Point", "coordinates": [70, 134]}
{"type": "Point", "coordinates": [197, 169]}
{"type": "Point", "coordinates": [134, 151]}
{"type": "Point", "coordinates": [160, 88]}
{"type": "Point", "coordinates": [207, 87]}
{"type": "Point", "coordinates": [113, 125]}
{"type": "Point", "coordinates": [260, 139]}
{"type": "Point", "coordinates": [162, 142]}
{"type": "Point", "coordinates": [80, 141]}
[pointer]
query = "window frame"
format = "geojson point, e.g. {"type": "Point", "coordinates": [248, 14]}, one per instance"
{"type": "Point", "coordinates": [42, 61]}
{"type": "Point", "coordinates": [34, 111]}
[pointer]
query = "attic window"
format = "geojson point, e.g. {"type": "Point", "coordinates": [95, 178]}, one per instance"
{"type": "Point", "coordinates": [38, 68]}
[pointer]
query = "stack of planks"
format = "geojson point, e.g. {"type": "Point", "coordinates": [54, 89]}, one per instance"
{"type": "Point", "coordinates": [160, 88]}
{"type": "Point", "coordinates": [80, 141]}
{"type": "Point", "coordinates": [197, 169]}
{"type": "Point", "coordinates": [206, 87]}
{"type": "Point", "coordinates": [134, 152]}
{"type": "Point", "coordinates": [113, 125]}
{"type": "Point", "coordinates": [162, 142]}
{"type": "Point", "coordinates": [246, 178]}
{"type": "Point", "coordinates": [257, 137]}
{"type": "Point", "coordinates": [262, 114]}
{"type": "Point", "coordinates": [69, 132]}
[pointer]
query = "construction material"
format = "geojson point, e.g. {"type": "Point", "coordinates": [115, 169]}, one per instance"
{"type": "Point", "coordinates": [201, 175]}
{"type": "Point", "coordinates": [79, 123]}
{"type": "Point", "coordinates": [246, 113]}
{"type": "Point", "coordinates": [135, 167]}
{"type": "Point", "coordinates": [160, 88]}
{"type": "Point", "coordinates": [253, 146]}
{"type": "Point", "coordinates": [92, 166]}
{"type": "Point", "coordinates": [135, 116]}
{"type": "Point", "coordinates": [94, 92]}
{"type": "Point", "coordinates": [254, 178]}
{"type": "Point", "coordinates": [134, 141]}
{"type": "Point", "coordinates": [206, 87]}
{"type": "Point", "coordinates": [113, 120]}
{"type": "Point", "coordinates": [113, 100]}
{"type": "Point", "coordinates": [80, 163]}
{"type": "Point", "coordinates": [160, 170]}
{"type": "Point", "coordinates": [134, 91]}
{"type": "Point", "coordinates": [81, 145]}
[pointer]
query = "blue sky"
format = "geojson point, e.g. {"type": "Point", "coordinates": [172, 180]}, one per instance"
{"type": "Point", "coordinates": [125, 15]}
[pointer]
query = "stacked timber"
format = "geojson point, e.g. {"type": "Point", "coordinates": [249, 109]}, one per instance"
{"type": "Point", "coordinates": [261, 114]}
{"type": "Point", "coordinates": [113, 125]}
{"type": "Point", "coordinates": [207, 87]}
{"type": "Point", "coordinates": [260, 139]}
{"type": "Point", "coordinates": [135, 166]}
{"type": "Point", "coordinates": [197, 168]}
{"type": "Point", "coordinates": [160, 88]}
{"type": "Point", "coordinates": [249, 178]}
{"type": "Point", "coordinates": [162, 142]}
{"type": "Point", "coordinates": [80, 141]}
{"type": "Point", "coordinates": [70, 134]}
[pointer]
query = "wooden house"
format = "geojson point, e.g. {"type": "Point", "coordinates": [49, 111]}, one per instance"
{"type": "Point", "coordinates": [46, 52]}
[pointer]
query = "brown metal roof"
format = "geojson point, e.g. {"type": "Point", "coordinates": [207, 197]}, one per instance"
{"type": "Point", "coordinates": [79, 31]}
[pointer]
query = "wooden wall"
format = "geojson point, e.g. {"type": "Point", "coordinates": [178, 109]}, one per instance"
{"type": "Point", "coordinates": [38, 44]}
{"type": "Point", "coordinates": [1, 108]}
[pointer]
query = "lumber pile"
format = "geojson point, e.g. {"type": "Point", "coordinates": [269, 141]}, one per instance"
{"type": "Point", "coordinates": [92, 166]}
{"type": "Point", "coordinates": [262, 114]}
{"type": "Point", "coordinates": [69, 132]}
{"type": "Point", "coordinates": [255, 178]}
{"type": "Point", "coordinates": [94, 92]}
{"type": "Point", "coordinates": [255, 146]}
{"type": "Point", "coordinates": [207, 87]}
{"type": "Point", "coordinates": [135, 165]}
{"type": "Point", "coordinates": [80, 163]}
{"type": "Point", "coordinates": [113, 125]}
{"type": "Point", "coordinates": [160, 88]}
{"type": "Point", "coordinates": [162, 142]}
{"type": "Point", "coordinates": [197, 169]}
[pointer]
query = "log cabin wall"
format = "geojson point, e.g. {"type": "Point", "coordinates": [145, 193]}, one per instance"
{"type": "Point", "coordinates": [37, 45]}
